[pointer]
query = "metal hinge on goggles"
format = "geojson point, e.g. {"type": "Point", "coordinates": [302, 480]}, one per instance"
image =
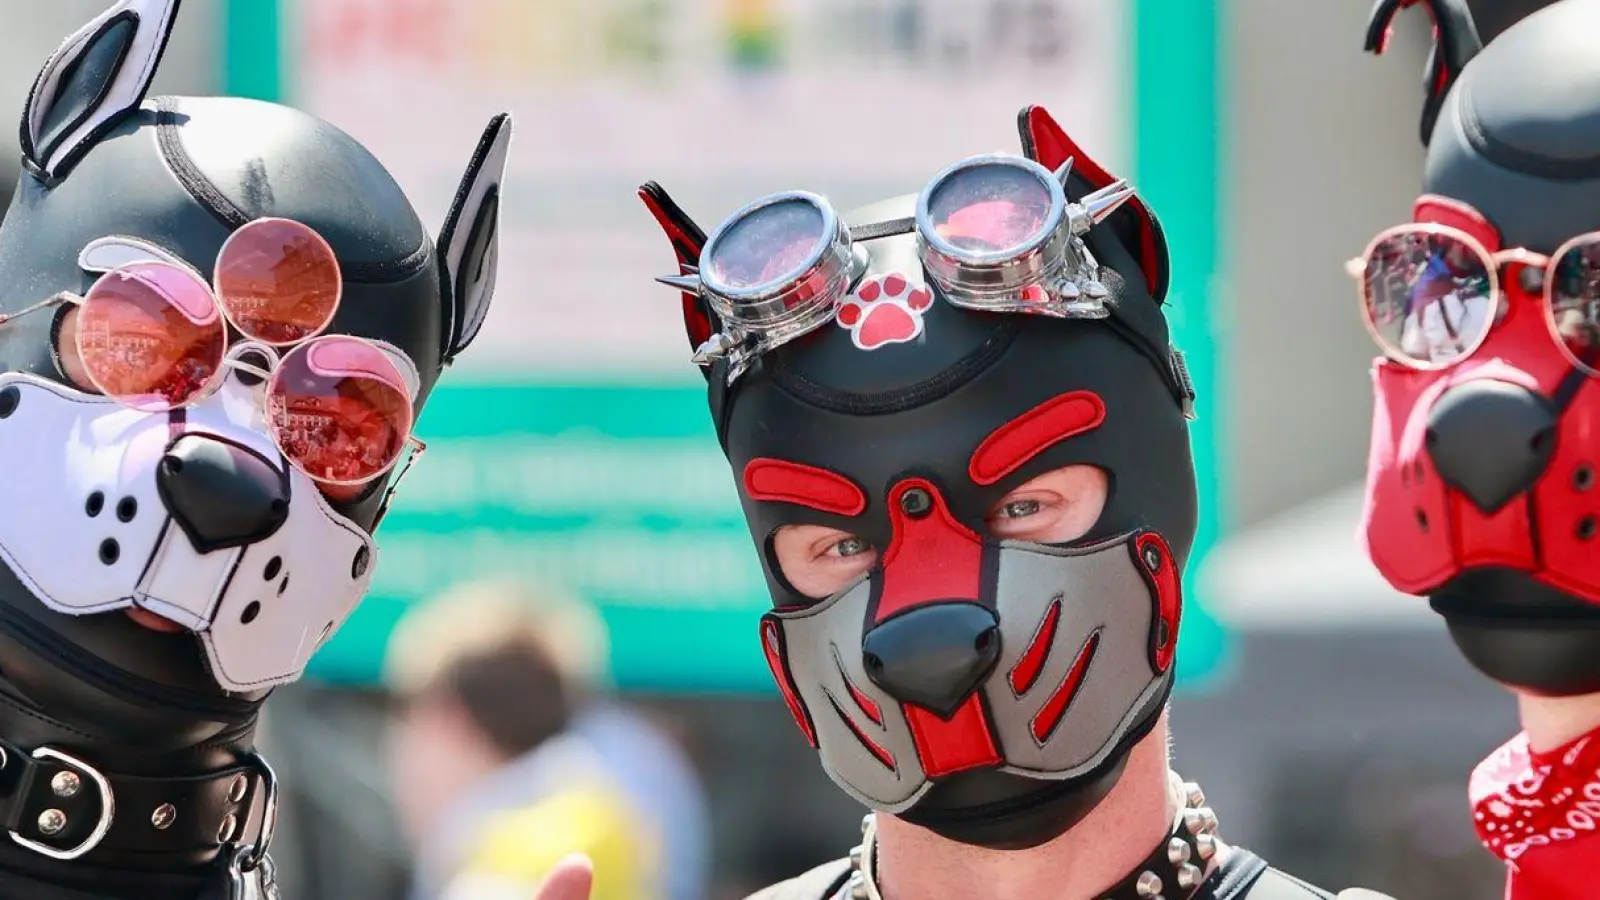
{"type": "Point", "coordinates": [995, 233]}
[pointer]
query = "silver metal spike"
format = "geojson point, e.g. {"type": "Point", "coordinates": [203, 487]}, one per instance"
{"type": "Point", "coordinates": [690, 283]}
{"type": "Point", "coordinates": [1207, 845]}
{"type": "Point", "coordinates": [1148, 885]}
{"type": "Point", "coordinates": [1193, 795]}
{"type": "Point", "coordinates": [1065, 171]}
{"type": "Point", "coordinates": [1208, 820]}
{"type": "Point", "coordinates": [1107, 200]}
{"type": "Point", "coordinates": [1178, 851]}
{"type": "Point", "coordinates": [1189, 876]}
{"type": "Point", "coordinates": [713, 349]}
{"type": "Point", "coordinates": [1192, 820]}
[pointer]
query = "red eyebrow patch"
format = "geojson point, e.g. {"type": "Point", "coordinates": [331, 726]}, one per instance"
{"type": "Point", "coordinates": [790, 482]}
{"type": "Point", "coordinates": [1011, 445]}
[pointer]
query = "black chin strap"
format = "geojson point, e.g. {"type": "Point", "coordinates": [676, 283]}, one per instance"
{"type": "Point", "coordinates": [60, 806]}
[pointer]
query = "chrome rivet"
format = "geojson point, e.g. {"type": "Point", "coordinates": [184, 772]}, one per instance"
{"type": "Point", "coordinates": [1208, 819]}
{"type": "Point", "coordinates": [1178, 851]}
{"type": "Point", "coordinates": [1193, 795]}
{"type": "Point", "coordinates": [164, 816]}
{"type": "Point", "coordinates": [237, 788]}
{"type": "Point", "coordinates": [51, 821]}
{"type": "Point", "coordinates": [66, 784]}
{"type": "Point", "coordinates": [1148, 885]}
{"type": "Point", "coordinates": [1207, 845]}
{"type": "Point", "coordinates": [1189, 876]}
{"type": "Point", "coordinates": [1192, 820]}
{"type": "Point", "coordinates": [230, 823]}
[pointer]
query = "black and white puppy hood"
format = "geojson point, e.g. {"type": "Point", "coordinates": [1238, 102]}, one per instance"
{"type": "Point", "coordinates": [194, 515]}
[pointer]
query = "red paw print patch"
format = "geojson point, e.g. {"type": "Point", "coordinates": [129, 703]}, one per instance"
{"type": "Point", "coordinates": [885, 309]}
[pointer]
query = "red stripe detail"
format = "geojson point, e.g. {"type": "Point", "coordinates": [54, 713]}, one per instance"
{"type": "Point", "coordinates": [873, 747]}
{"type": "Point", "coordinates": [964, 741]}
{"type": "Point", "coordinates": [1010, 446]}
{"type": "Point", "coordinates": [867, 706]}
{"type": "Point", "coordinates": [1433, 209]}
{"type": "Point", "coordinates": [1168, 589]}
{"type": "Point", "coordinates": [929, 559]}
{"type": "Point", "coordinates": [772, 646]}
{"type": "Point", "coordinates": [1052, 146]}
{"type": "Point", "coordinates": [782, 481]}
{"type": "Point", "coordinates": [1055, 709]}
{"type": "Point", "coordinates": [1026, 671]}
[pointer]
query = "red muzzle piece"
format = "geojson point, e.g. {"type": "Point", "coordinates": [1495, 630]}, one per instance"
{"type": "Point", "coordinates": [932, 577]}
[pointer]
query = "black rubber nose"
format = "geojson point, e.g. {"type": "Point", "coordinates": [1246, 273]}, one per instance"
{"type": "Point", "coordinates": [934, 656]}
{"type": "Point", "coordinates": [1491, 440]}
{"type": "Point", "coordinates": [221, 495]}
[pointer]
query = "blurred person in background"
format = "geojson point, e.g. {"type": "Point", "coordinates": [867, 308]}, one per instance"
{"type": "Point", "coordinates": [959, 433]}
{"type": "Point", "coordinates": [507, 756]}
{"type": "Point", "coordinates": [1481, 480]}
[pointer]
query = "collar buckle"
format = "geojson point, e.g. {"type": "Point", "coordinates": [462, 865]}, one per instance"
{"type": "Point", "coordinates": [70, 778]}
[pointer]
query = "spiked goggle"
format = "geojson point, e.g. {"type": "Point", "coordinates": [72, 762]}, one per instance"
{"type": "Point", "coordinates": [995, 233]}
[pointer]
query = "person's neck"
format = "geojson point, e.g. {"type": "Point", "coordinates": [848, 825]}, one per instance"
{"type": "Point", "coordinates": [916, 864]}
{"type": "Point", "coordinates": [1553, 722]}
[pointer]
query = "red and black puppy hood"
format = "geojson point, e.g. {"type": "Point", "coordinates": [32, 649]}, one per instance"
{"type": "Point", "coordinates": [1481, 476]}
{"type": "Point", "coordinates": [905, 420]}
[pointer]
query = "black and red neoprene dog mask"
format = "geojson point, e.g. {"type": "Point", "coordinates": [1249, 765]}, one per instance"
{"type": "Point", "coordinates": [904, 394]}
{"type": "Point", "coordinates": [1481, 489]}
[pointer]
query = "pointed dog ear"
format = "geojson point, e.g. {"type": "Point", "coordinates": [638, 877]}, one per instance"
{"type": "Point", "coordinates": [687, 239]}
{"type": "Point", "coordinates": [1045, 142]}
{"type": "Point", "coordinates": [92, 82]}
{"type": "Point", "coordinates": [469, 245]}
{"type": "Point", "coordinates": [1455, 43]}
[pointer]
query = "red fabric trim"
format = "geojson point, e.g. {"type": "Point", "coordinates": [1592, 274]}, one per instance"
{"type": "Point", "coordinates": [865, 703]}
{"type": "Point", "coordinates": [1010, 446]}
{"type": "Point", "coordinates": [1055, 709]}
{"type": "Point", "coordinates": [929, 559]}
{"type": "Point", "coordinates": [1436, 210]}
{"type": "Point", "coordinates": [1169, 598]}
{"type": "Point", "coordinates": [1026, 672]}
{"type": "Point", "coordinates": [772, 647]}
{"type": "Point", "coordinates": [1052, 145]}
{"type": "Point", "coordinates": [782, 481]}
{"type": "Point", "coordinates": [963, 742]}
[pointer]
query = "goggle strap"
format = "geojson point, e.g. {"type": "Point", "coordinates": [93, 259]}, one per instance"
{"type": "Point", "coordinates": [875, 230]}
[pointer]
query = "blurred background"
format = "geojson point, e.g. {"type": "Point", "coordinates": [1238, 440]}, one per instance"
{"type": "Point", "coordinates": [566, 604]}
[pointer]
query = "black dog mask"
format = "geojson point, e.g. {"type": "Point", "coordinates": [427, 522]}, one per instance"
{"type": "Point", "coordinates": [193, 514]}
{"type": "Point", "coordinates": [988, 690]}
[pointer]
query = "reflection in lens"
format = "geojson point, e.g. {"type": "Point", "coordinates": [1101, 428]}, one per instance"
{"type": "Point", "coordinates": [990, 208]}
{"type": "Point", "coordinates": [150, 336]}
{"type": "Point", "coordinates": [339, 410]}
{"type": "Point", "coordinates": [278, 281]}
{"type": "Point", "coordinates": [1575, 303]}
{"type": "Point", "coordinates": [1428, 296]}
{"type": "Point", "coordinates": [771, 245]}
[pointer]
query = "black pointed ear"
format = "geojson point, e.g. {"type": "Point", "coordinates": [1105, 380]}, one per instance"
{"type": "Point", "coordinates": [687, 241]}
{"type": "Point", "coordinates": [1045, 142]}
{"type": "Point", "coordinates": [469, 245]}
{"type": "Point", "coordinates": [96, 78]}
{"type": "Point", "coordinates": [1455, 43]}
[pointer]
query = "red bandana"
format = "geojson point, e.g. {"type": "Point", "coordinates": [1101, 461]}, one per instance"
{"type": "Point", "coordinates": [1540, 812]}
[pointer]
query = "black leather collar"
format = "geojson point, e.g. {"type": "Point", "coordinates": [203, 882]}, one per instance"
{"type": "Point", "coordinates": [60, 806]}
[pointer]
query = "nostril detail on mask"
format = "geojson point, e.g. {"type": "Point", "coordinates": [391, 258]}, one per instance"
{"type": "Point", "coordinates": [280, 507]}
{"type": "Point", "coordinates": [985, 640]}
{"type": "Point", "coordinates": [10, 399]}
{"type": "Point", "coordinates": [274, 566]}
{"type": "Point", "coordinates": [1586, 528]}
{"type": "Point", "coordinates": [873, 663]}
{"type": "Point", "coordinates": [110, 552]}
{"type": "Point", "coordinates": [1422, 519]}
{"type": "Point", "coordinates": [127, 508]}
{"type": "Point", "coordinates": [1541, 442]}
{"type": "Point", "coordinates": [1583, 478]}
{"type": "Point", "coordinates": [95, 503]}
{"type": "Point", "coordinates": [251, 611]}
{"type": "Point", "coordinates": [172, 464]}
{"type": "Point", "coordinates": [358, 566]}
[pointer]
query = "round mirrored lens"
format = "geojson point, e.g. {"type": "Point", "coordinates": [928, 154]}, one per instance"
{"type": "Point", "coordinates": [278, 281]}
{"type": "Point", "coordinates": [150, 336]}
{"type": "Point", "coordinates": [1428, 296]}
{"type": "Point", "coordinates": [990, 208]}
{"type": "Point", "coordinates": [1574, 298]}
{"type": "Point", "coordinates": [339, 410]}
{"type": "Point", "coordinates": [770, 246]}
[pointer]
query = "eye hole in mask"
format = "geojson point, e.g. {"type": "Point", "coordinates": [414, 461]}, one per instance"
{"type": "Point", "coordinates": [1058, 507]}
